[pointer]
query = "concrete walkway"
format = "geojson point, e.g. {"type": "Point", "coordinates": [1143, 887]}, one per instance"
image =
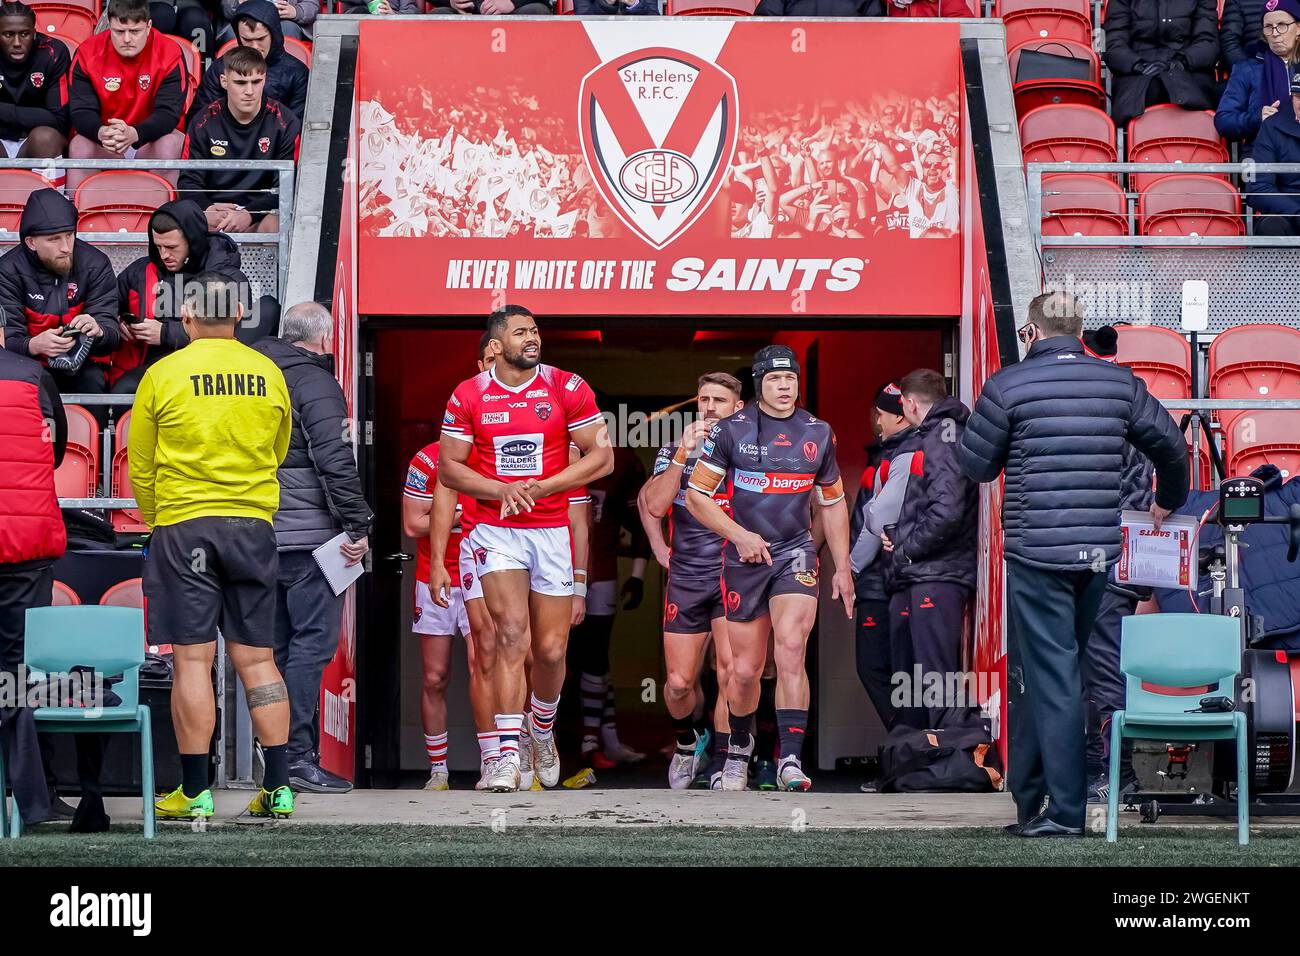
{"type": "Point", "coordinates": [621, 808]}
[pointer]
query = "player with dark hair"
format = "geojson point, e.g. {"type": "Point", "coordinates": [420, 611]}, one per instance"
{"type": "Point", "coordinates": [693, 601]}
{"type": "Point", "coordinates": [775, 455]}
{"type": "Point", "coordinates": [34, 94]}
{"type": "Point", "coordinates": [520, 417]}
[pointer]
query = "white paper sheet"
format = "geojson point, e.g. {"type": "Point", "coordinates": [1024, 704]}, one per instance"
{"type": "Point", "coordinates": [334, 565]}
{"type": "Point", "coordinates": [1163, 559]}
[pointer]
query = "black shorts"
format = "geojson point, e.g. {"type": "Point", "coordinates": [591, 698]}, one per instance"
{"type": "Point", "coordinates": [751, 586]}
{"type": "Point", "coordinates": [207, 573]}
{"type": "Point", "coordinates": [692, 602]}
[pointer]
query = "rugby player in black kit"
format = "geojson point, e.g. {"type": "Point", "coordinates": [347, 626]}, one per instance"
{"type": "Point", "coordinates": [774, 454]}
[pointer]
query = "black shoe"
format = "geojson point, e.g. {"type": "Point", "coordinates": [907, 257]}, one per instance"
{"type": "Point", "coordinates": [60, 809]}
{"type": "Point", "coordinates": [1013, 829]}
{"type": "Point", "coordinates": [311, 777]}
{"type": "Point", "coordinates": [1099, 787]}
{"type": "Point", "coordinates": [1042, 826]}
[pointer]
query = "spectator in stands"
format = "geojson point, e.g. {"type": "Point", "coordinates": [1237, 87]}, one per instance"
{"type": "Point", "coordinates": [928, 8]}
{"type": "Point", "coordinates": [609, 8]}
{"type": "Point", "coordinates": [151, 290]}
{"type": "Point", "coordinates": [820, 8]}
{"type": "Point", "coordinates": [1161, 53]}
{"type": "Point", "coordinates": [185, 19]}
{"type": "Point", "coordinates": [243, 124]}
{"type": "Point", "coordinates": [58, 294]}
{"type": "Point", "coordinates": [257, 26]}
{"type": "Point", "coordinates": [320, 495]}
{"type": "Point", "coordinates": [293, 17]}
{"type": "Point", "coordinates": [33, 96]}
{"type": "Point", "coordinates": [492, 8]}
{"type": "Point", "coordinates": [1239, 30]}
{"type": "Point", "coordinates": [1275, 197]}
{"type": "Point", "coordinates": [1261, 82]}
{"type": "Point", "coordinates": [385, 7]}
{"type": "Point", "coordinates": [32, 537]}
{"type": "Point", "coordinates": [128, 92]}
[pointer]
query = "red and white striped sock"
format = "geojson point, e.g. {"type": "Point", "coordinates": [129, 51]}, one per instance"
{"type": "Point", "coordinates": [489, 746]}
{"type": "Point", "coordinates": [436, 748]}
{"type": "Point", "coordinates": [542, 717]}
{"type": "Point", "coordinates": [508, 726]}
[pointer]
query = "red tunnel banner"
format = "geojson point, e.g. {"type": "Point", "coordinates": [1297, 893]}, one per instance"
{"type": "Point", "coordinates": [674, 166]}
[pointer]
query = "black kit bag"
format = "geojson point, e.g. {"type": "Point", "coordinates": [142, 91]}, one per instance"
{"type": "Point", "coordinates": [958, 756]}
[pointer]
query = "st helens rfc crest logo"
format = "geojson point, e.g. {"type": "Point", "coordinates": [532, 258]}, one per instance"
{"type": "Point", "coordinates": [658, 130]}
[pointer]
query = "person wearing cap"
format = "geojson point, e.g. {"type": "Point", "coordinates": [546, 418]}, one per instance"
{"type": "Point", "coordinates": [1275, 197]}
{"type": "Point", "coordinates": [59, 296]}
{"type": "Point", "coordinates": [1103, 681]}
{"type": "Point", "coordinates": [1058, 423]}
{"type": "Point", "coordinates": [876, 656]}
{"type": "Point", "coordinates": [777, 456]}
{"type": "Point", "coordinates": [932, 545]}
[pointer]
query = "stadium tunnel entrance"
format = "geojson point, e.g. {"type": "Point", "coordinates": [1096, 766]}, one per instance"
{"type": "Point", "coordinates": [637, 373]}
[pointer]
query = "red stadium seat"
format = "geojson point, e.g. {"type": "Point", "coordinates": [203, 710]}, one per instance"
{"type": "Point", "coordinates": [1083, 204]}
{"type": "Point", "coordinates": [75, 477]}
{"type": "Point", "coordinates": [120, 200]}
{"type": "Point", "coordinates": [1026, 20]}
{"type": "Point", "coordinates": [1255, 361]}
{"type": "Point", "coordinates": [128, 593]}
{"type": "Point", "coordinates": [1205, 466]}
{"type": "Point", "coordinates": [1033, 93]}
{"type": "Point", "coordinates": [564, 8]}
{"type": "Point", "coordinates": [193, 70]}
{"type": "Point", "coordinates": [1187, 205]}
{"type": "Point", "coordinates": [1269, 436]}
{"type": "Point", "coordinates": [15, 186]}
{"type": "Point", "coordinates": [70, 43]}
{"type": "Point", "coordinates": [710, 8]}
{"type": "Point", "coordinates": [70, 20]}
{"type": "Point", "coordinates": [83, 432]}
{"type": "Point", "coordinates": [64, 596]}
{"type": "Point", "coordinates": [225, 48]}
{"type": "Point", "coordinates": [125, 520]}
{"type": "Point", "coordinates": [94, 6]}
{"type": "Point", "coordinates": [298, 49]}
{"type": "Point", "coordinates": [1067, 133]}
{"type": "Point", "coordinates": [1160, 357]}
{"type": "Point", "coordinates": [1170, 134]}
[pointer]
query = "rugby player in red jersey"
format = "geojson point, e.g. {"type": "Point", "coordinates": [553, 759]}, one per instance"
{"type": "Point", "coordinates": [519, 418]}
{"type": "Point", "coordinates": [693, 606]}
{"type": "Point", "coordinates": [775, 454]}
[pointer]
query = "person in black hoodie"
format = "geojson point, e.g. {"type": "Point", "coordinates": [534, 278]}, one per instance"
{"type": "Point", "coordinates": [151, 290]}
{"type": "Point", "coordinates": [932, 567]}
{"type": "Point", "coordinates": [57, 292]}
{"type": "Point", "coordinates": [877, 659]}
{"type": "Point", "coordinates": [243, 124]}
{"type": "Point", "coordinates": [33, 95]}
{"type": "Point", "coordinates": [320, 495]}
{"type": "Point", "coordinates": [258, 26]}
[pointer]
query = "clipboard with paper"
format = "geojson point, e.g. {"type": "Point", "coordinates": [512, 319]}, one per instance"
{"type": "Point", "coordinates": [1166, 558]}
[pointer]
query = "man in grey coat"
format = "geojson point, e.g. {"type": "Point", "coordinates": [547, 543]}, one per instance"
{"type": "Point", "coordinates": [320, 495]}
{"type": "Point", "coordinates": [1060, 422]}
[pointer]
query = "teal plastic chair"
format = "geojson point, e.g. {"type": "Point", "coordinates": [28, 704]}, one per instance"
{"type": "Point", "coordinates": [110, 640]}
{"type": "Point", "coordinates": [1170, 662]}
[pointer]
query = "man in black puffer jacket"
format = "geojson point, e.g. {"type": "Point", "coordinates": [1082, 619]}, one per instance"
{"type": "Point", "coordinates": [932, 572]}
{"type": "Point", "coordinates": [1059, 422]}
{"type": "Point", "coordinates": [320, 495]}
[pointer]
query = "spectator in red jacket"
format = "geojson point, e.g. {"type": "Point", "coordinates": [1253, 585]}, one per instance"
{"type": "Point", "coordinates": [33, 91]}
{"type": "Point", "coordinates": [243, 124]}
{"type": "Point", "coordinates": [128, 92]}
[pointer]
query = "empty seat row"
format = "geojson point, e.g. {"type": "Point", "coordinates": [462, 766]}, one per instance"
{"type": "Point", "coordinates": [1091, 204]}
{"type": "Point", "coordinates": [114, 200]}
{"type": "Point", "coordinates": [128, 593]}
{"type": "Point", "coordinates": [79, 474]}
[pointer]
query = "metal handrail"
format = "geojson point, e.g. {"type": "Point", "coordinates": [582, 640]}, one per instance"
{"type": "Point", "coordinates": [283, 168]}
{"type": "Point", "coordinates": [1229, 404]}
{"type": "Point", "coordinates": [1034, 173]}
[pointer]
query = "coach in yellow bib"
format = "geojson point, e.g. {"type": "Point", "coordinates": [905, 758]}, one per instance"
{"type": "Point", "coordinates": [209, 428]}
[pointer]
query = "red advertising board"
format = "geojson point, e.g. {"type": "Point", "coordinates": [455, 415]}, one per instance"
{"type": "Point", "coordinates": [338, 702]}
{"type": "Point", "coordinates": [595, 167]}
